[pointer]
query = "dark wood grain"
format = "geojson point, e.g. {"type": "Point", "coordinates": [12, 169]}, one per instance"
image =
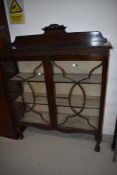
{"type": "Point", "coordinates": [48, 70]}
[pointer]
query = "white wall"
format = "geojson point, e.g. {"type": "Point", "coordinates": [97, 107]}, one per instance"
{"type": "Point", "coordinates": [78, 15]}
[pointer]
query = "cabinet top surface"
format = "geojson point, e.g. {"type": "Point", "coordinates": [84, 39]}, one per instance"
{"type": "Point", "coordinates": [56, 36]}
{"type": "Point", "coordinates": [56, 40]}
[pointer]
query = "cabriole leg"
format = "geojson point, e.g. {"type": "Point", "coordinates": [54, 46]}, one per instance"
{"type": "Point", "coordinates": [98, 138]}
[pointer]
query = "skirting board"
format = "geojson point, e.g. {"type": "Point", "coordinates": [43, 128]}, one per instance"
{"type": "Point", "coordinates": [106, 137]}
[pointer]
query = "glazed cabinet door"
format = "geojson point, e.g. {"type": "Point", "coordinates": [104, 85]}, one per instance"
{"type": "Point", "coordinates": [29, 100]}
{"type": "Point", "coordinates": [62, 95]}
{"type": "Point", "coordinates": [77, 95]}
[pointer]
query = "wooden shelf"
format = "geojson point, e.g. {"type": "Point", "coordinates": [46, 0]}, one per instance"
{"type": "Point", "coordinates": [58, 78]}
{"type": "Point", "coordinates": [29, 77]}
{"type": "Point", "coordinates": [40, 99]}
{"type": "Point", "coordinates": [95, 79]}
{"type": "Point", "coordinates": [92, 102]}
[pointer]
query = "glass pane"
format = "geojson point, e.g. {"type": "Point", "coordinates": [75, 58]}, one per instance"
{"type": "Point", "coordinates": [29, 98]}
{"type": "Point", "coordinates": [88, 119]}
{"type": "Point", "coordinates": [77, 93]}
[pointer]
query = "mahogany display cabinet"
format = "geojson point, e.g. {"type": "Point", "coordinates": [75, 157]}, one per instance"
{"type": "Point", "coordinates": [57, 81]}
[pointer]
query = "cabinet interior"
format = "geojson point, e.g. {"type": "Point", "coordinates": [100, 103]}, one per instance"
{"type": "Point", "coordinates": [32, 99]}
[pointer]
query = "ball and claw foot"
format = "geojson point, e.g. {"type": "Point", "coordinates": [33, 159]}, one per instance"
{"type": "Point", "coordinates": [21, 136]}
{"type": "Point", "coordinates": [97, 148]}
